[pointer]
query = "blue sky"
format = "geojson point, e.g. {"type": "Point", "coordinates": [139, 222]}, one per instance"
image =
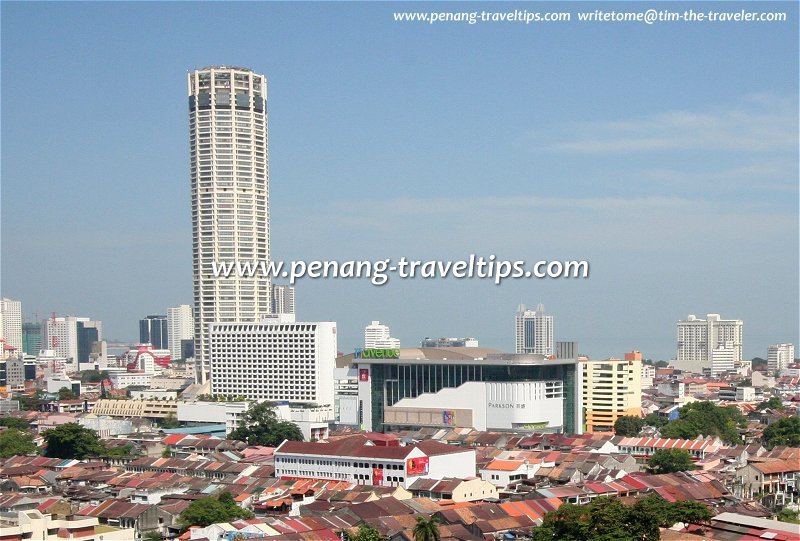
{"type": "Point", "coordinates": [665, 154]}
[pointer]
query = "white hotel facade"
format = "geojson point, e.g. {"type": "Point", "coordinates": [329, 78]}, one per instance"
{"type": "Point", "coordinates": [274, 360]}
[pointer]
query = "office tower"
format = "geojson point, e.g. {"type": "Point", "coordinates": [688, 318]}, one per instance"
{"type": "Point", "coordinates": [377, 336]}
{"type": "Point", "coordinates": [698, 337]}
{"type": "Point", "coordinates": [180, 326]}
{"type": "Point", "coordinates": [89, 334]}
{"type": "Point", "coordinates": [154, 330]}
{"type": "Point", "coordinates": [282, 299]}
{"type": "Point", "coordinates": [274, 361]}
{"type": "Point", "coordinates": [567, 350]}
{"type": "Point", "coordinates": [611, 388]}
{"type": "Point", "coordinates": [230, 197]}
{"type": "Point", "coordinates": [61, 336]}
{"type": "Point", "coordinates": [31, 338]}
{"type": "Point", "coordinates": [779, 356]}
{"type": "Point", "coordinates": [534, 331]}
{"type": "Point", "coordinates": [11, 325]}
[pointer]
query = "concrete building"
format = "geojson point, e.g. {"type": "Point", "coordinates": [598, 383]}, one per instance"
{"type": "Point", "coordinates": [274, 361]}
{"type": "Point", "coordinates": [230, 198]}
{"type": "Point", "coordinates": [723, 359]}
{"type": "Point", "coordinates": [612, 388]}
{"type": "Point", "coordinates": [467, 387]}
{"type": "Point", "coordinates": [11, 323]}
{"type": "Point", "coordinates": [12, 373]}
{"type": "Point", "coordinates": [378, 336]}
{"type": "Point", "coordinates": [779, 356]}
{"type": "Point", "coordinates": [71, 337]}
{"type": "Point", "coordinates": [648, 375]}
{"type": "Point", "coordinates": [180, 326]}
{"type": "Point", "coordinates": [567, 350]}
{"type": "Point", "coordinates": [31, 338]}
{"type": "Point", "coordinates": [450, 343]}
{"type": "Point", "coordinates": [357, 460]}
{"type": "Point", "coordinates": [283, 299]}
{"type": "Point", "coordinates": [697, 338]}
{"type": "Point", "coordinates": [534, 331]}
{"type": "Point", "coordinates": [154, 330]}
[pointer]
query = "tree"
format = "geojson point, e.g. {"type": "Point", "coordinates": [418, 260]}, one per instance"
{"type": "Point", "coordinates": [706, 419]}
{"type": "Point", "coordinates": [785, 431]}
{"type": "Point", "coordinates": [16, 442]}
{"type": "Point", "coordinates": [32, 402]}
{"type": "Point", "coordinates": [654, 419]}
{"type": "Point", "coordinates": [366, 532]}
{"type": "Point", "coordinates": [670, 461]}
{"type": "Point", "coordinates": [689, 512]}
{"type": "Point", "coordinates": [71, 440]}
{"type": "Point", "coordinates": [774, 403]}
{"type": "Point", "coordinates": [170, 421]}
{"type": "Point", "coordinates": [15, 422]}
{"type": "Point", "coordinates": [260, 426]}
{"type": "Point", "coordinates": [608, 519]}
{"type": "Point", "coordinates": [628, 426]}
{"type": "Point", "coordinates": [426, 529]}
{"type": "Point", "coordinates": [787, 515]}
{"type": "Point", "coordinates": [93, 376]}
{"type": "Point", "coordinates": [66, 394]}
{"type": "Point", "coordinates": [152, 536]}
{"type": "Point", "coordinates": [210, 510]}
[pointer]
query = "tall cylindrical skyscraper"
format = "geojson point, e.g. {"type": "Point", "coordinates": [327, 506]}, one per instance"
{"type": "Point", "coordinates": [230, 197]}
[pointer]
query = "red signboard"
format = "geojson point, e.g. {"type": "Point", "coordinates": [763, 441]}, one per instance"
{"type": "Point", "coordinates": [377, 476]}
{"type": "Point", "coordinates": [363, 374]}
{"type": "Point", "coordinates": [417, 466]}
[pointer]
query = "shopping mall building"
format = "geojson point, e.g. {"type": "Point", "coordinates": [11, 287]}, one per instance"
{"type": "Point", "coordinates": [466, 387]}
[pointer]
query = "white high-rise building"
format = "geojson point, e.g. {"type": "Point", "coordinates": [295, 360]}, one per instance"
{"type": "Point", "coordinates": [534, 331]}
{"type": "Point", "coordinates": [274, 361]}
{"type": "Point", "coordinates": [230, 197]}
{"type": "Point", "coordinates": [723, 359]}
{"type": "Point", "coordinates": [698, 337]}
{"type": "Point", "coordinates": [378, 336]}
{"type": "Point", "coordinates": [70, 336]}
{"type": "Point", "coordinates": [283, 299]}
{"type": "Point", "coordinates": [11, 323]}
{"type": "Point", "coordinates": [779, 356]}
{"type": "Point", "coordinates": [180, 326]}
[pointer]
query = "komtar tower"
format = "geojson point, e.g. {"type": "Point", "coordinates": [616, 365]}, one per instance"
{"type": "Point", "coordinates": [229, 169]}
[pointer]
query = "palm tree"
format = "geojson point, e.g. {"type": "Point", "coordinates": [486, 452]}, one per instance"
{"type": "Point", "coordinates": [427, 529]}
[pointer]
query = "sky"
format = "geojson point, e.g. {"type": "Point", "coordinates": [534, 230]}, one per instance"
{"type": "Point", "coordinates": [666, 155]}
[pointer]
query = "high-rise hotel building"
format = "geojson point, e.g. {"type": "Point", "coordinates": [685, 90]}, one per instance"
{"type": "Point", "coordinates": [534, 331]}
{"type": "Point", "coordinates": [230, 197]}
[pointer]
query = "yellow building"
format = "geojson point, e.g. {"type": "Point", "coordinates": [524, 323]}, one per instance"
{"type": "Point", "coordinates": [611, 388]}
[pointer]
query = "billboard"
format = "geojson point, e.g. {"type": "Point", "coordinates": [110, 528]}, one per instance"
{"type": "Point", "coordinates": [363, 374]}
{"type": "Point", "coordinates": [417, 466]}
{"type": "Point", "coordinates": [377, 476]}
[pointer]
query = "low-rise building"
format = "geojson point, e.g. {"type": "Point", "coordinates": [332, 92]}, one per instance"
{"type": "Point", "coordinates": [357, 460]}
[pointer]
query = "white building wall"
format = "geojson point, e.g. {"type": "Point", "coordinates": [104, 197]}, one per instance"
{"type": "Point", "coordinates": [230, 197]}
{"type": "Point", "coordinates": [284, 361]}
{"type": "Point", "coordinates": [779, 356]}
{"type": "Point", "coordinates": [378, 336]}
{"type": "Point", "coordinates": [180, 326]}
{"type": "Point", "coordinates": [11, 323]}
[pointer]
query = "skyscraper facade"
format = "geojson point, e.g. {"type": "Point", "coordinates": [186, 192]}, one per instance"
{"type": "Point", "coordinates": [31, 338]}
{"type": "Point", "coordinates": [534, 331]}
{"type": "Point", "coordinates": [779, 356]}
{"type": "Point", "coordinates": [230, 197]}
{"type": "Point", "coordinates": [697, 338]}
{"type": "Point", "coordinates": [180, 326]}
{"type": "Point", "coordinates": [154, 330]}
{"type": "Point", "coordinates": [282, 299]}
{"type": "Point", "coordinates": [378, 336]}
{"type": "Point", "coordinates": [11, 323]}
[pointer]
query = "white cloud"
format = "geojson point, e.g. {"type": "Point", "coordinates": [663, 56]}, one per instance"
{"type": "Point", "coordinates": [759, 123]}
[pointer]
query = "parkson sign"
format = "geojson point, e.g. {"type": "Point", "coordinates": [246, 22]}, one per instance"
{"type": "Point", "coordinates": [377, 353]}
